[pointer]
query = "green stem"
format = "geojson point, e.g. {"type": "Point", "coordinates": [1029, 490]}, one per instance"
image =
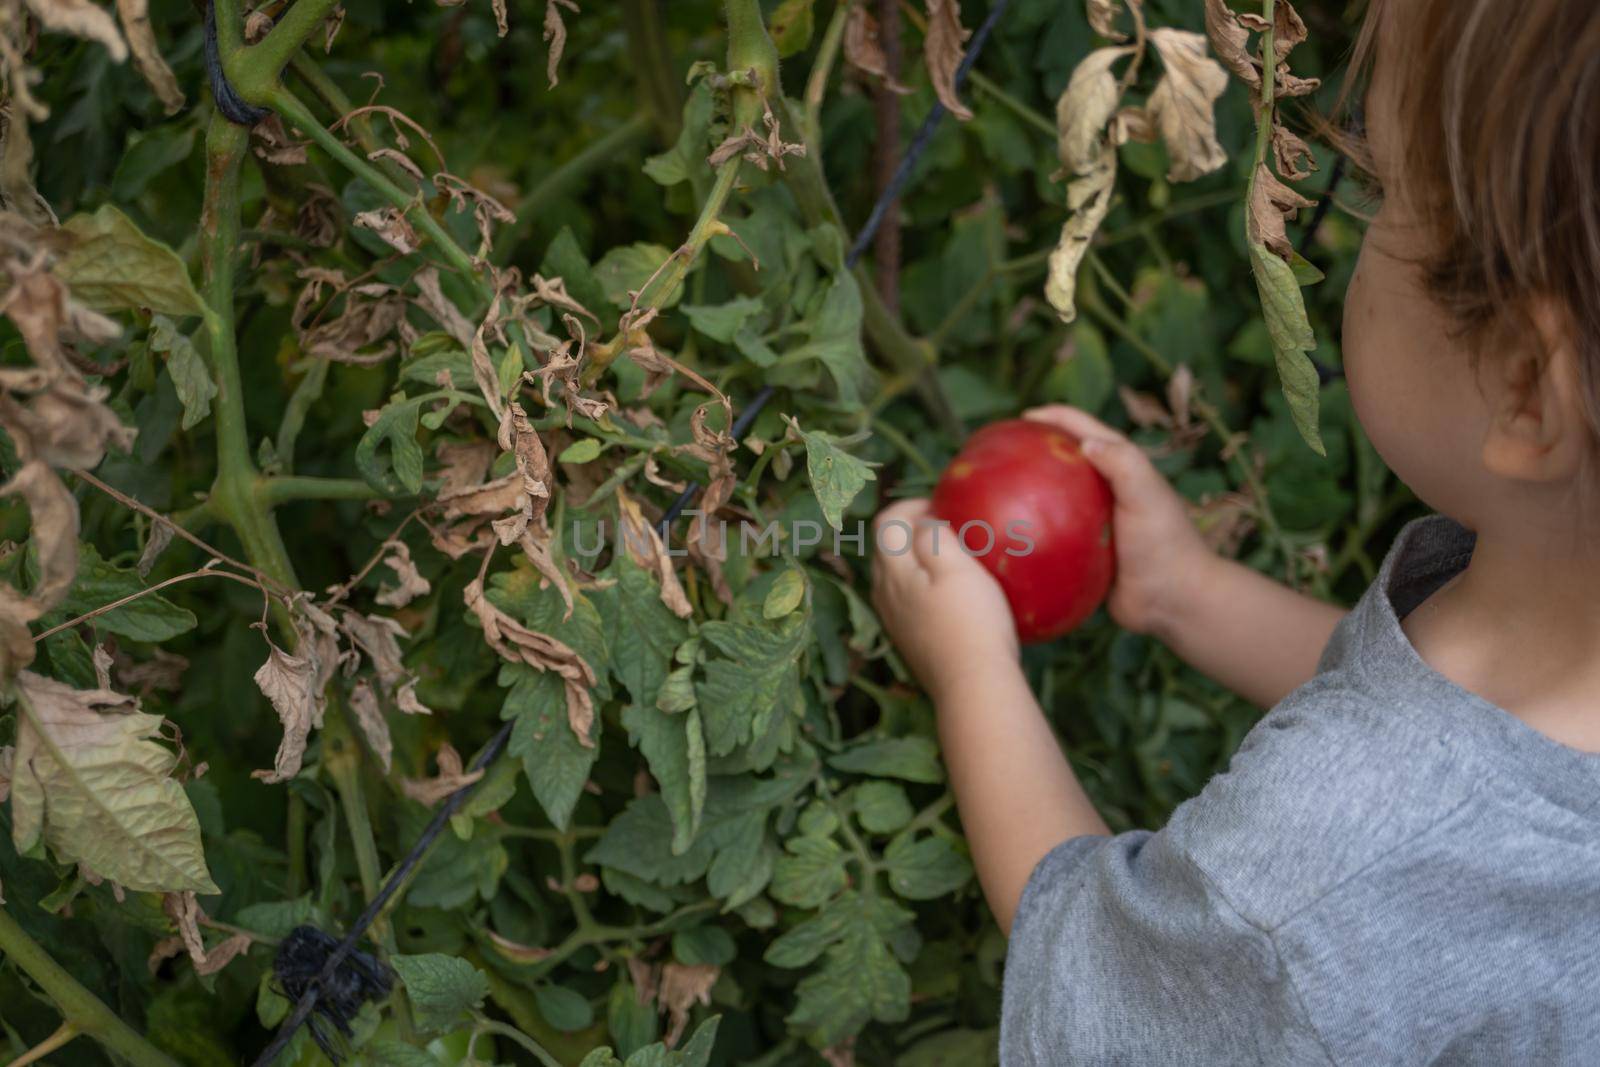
{"type": "Point", "coordinates": [821, 70]}
{"type": "Point", "coordinates": [295, 834]}
{"type": "Point", "coordinates": [1012, 104]}
{"type": "Point", "coordinates": [255, 70]}
{"type": "Point", "coordinates": [602, 150]}
{"type": "Point", "coordinates": [891, 433]}
{"type": "Point", "coordinates": [275, 491]}
{"type": "Point", "coordinates": [528, 1044]}
{"type": "Point", "coordinates": [81, 1008]}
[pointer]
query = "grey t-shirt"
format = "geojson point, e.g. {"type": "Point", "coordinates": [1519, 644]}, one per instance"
{"type": "Point", "coordinates": [1391, 871]}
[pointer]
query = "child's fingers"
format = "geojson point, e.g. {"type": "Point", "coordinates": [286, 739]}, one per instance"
{"type": "Point", "coordinates": [893, 534]}
{"type": "Point", "coordinates": [1123, 464]}
{"type": "Point", "coordinates": [1075, 421]}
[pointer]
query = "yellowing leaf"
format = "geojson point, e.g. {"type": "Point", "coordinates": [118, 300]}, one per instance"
{"type": "Point", "coordinates": [1084, 109]}
{"type": "Point", "coordinates": [1089, 198]}
{"type": "Point", "coordinates": [110, 265]}
{"type": "Point", "coordinates": [1181, 104]}
{"type": "Point", "coordinates": [90, 781]}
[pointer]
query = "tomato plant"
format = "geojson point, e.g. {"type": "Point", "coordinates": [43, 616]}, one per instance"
{"type": "Point", "coordinates": [339, 417]}
{"type": "Point", "coordinates": [1026, 504]}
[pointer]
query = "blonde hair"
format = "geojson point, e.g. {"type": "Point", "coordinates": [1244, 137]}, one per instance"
{"type": "Point", "coordinates": [1499, 116]}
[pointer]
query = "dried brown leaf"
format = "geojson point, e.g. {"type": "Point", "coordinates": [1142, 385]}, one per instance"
{"type": "Point", "coordinates": [555, 35]}
{"type": "Point", "coordinates": [1102, 18]}
{"type": "Point", "coordinates": [390, 224]}
{"type": "Point", "coordinates": [1231, 42]}
{"type": "Point", "coordinates": [289, 684]}
{"type": "Point", "coordinates": [514, 642]}
{"type": "Point", "coordinates": [682, 987]}
{"type": "Point", "coordinates": [135, 16]}
{"type": "Point", "coordinates": [1089, 199]}
{"type": "Point", "coordinates": [451, 777]}
{"type": "Point", "coordinates": [17, 191]}
{"type": "Point", "coordinates": [1180, 395]}
{"type": "Point", "coordinates": [412, 583]}
{"type": "Point", "coordinates": [374, 727]}
{"type": "Point", "coordinates": [1182, 103]}
{"type": "Point", "coordinates": [1293, 155]}
{"type": "Point", "coordinates": [160, 537]}
{"type": "Point", "coordinates": [1271, 204]}
{"type": "Point", "coordinates": [1084, 109]}
{"type": "Point", "coordinates": [862, 48]}
{"type": "Point", "coordinates": [644, 546]}
{"type": "Point", "coordinates": [81, 19]}
{"type": "Point", "coordinates": [942, 48]}
{"type": "Point", "coordinates": [1145, 410]}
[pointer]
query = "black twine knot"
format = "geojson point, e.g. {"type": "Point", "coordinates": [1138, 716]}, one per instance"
{"type": "Point", "coordinates": [235, 108]}
{"type": "Point", "coordinates": [356, 979]}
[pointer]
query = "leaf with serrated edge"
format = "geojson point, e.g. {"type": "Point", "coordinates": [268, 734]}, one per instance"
{"type": "Point", "coordinates": [110, 265]}
{"type": "Point", "coordinates": [112, 804]}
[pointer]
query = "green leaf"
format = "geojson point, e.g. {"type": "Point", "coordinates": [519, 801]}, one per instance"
{"type": "Point", "coordinates": [835, 340]}
{"type": "Point", "coordinates": [190, 375]}
{"type": "Point", "coordinates": [562, 1008]}
{"type": "Point", "coordinates": [151, 617]}
{"type": "Point", "coordinates": [555, 761]}
{"type": "Point", "coordinates": [565, 260]}
{"type": "Point", "coordinates": [632, 1022]}
{"type": "Point", "coordinates": [401, 472]}
{"type": "Point", "coordinates": [915, 759]}
{"type": "Point", "coordinates": [1285, 309]}
{"type": "Point", "coordinates": [740, 696]}
{"type": "Point", "coordinates": [1082, 375]}
{"type": "Point", "coordinates": [811, 872]}
{"type": "Point", "coordinates": [110, 265]}
{"type": "Point", "coordinates": [391, 1053]}
{"type": "Point", "coordinates": [859, 980]}
{"type": "Point", "coordinates": [722, 322]}
{"type": "Point", "coordinates": [96, 787]}
{"type": "Point", "coordinates": [791, 26]}
{"type": "Point", "coordinates": [601, 1057]}
{"type": "Point", "coordinates": [644, 631]}
{"type": "Point", "coordinates": [626, 268]}
{"type": "Point", "coordinates": [836, 476]}
{"type": "Point", "coordinates": [441, 988]}
{"type": "Point", "coordinates": [785, 594]}
{"type": "Point", "coordinates": [581, 451]}
{"type": "Point", "coordinates": [925, 868]}
{"type": "Point", "coordinates": [704, 945]}
{"type": "Point", "coordinates": [882, 807]}
{"type": "Point", "coordinates": [674, 747]}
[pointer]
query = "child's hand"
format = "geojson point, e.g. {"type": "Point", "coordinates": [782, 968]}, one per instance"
{"type": "Point", "coordinates": [1160, 555]}
{"type": "Point", "coordinates": [946, 614]}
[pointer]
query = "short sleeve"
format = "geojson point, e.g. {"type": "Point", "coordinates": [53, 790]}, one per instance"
{"type": "Point", "coordinates": [1123, 952]}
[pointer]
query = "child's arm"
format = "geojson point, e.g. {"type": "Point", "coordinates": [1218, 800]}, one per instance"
{"type": "Point", "coordinates": [1245, 631]}
{"type": "Point", "coordinates": [1017, 796]}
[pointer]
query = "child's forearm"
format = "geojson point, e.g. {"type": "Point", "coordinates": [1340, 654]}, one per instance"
{"type": "Point", "coordinates": [1017, 795]}
{"type": "Point", "coordinates": [1248, 633]}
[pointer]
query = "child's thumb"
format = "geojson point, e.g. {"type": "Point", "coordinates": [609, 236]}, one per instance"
{"type": "Point", "coordinates": [1120, 462]}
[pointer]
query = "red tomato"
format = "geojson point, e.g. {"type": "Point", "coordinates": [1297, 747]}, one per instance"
{"type": "Point", "coordinates": [1031, 509]}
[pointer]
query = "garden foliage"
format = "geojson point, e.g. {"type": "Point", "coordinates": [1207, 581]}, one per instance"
{"type": "Point", "coordinates": [335, 442]}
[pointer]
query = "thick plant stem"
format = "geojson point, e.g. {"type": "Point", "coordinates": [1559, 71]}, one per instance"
{"type": "Point", "coordinates": [255, 70]}
{"type": "Point", "coordinates": [233, 495]}
{"type": "Point", "coordinates": [82, 1009]}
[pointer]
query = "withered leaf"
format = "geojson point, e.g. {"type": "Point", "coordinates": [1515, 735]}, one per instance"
{"type": "Point", "coordinates": [369, 716]}
{"type": "Point", "coordinates": [135, 16]}
{"type": "Point", "coordinates": [81, 19]}
{"type": "Point", "coordinates": [644, 546]}
{"type": "Point", "coordinates": [1271, 204]}
{"type": "Point", "coordinates": [862, 48]}
{"type": "Point", "coordinates": [412, 583]}
{"type": "Point", "coordinates": [1089, 199]}
{"type": "Point", "coordinates": [682, 987]}
{"type": "Point", "coordinates": [1103, 16]}
{"type": "Point", "coordinates": [451, 777]}
{"type": "Point", "coordinates": [1293, 155]}
{"type": "Point", "coordinates": [516, 643]}
{"type": "Point", "coordinates": [1182, 102]}
{"type": "Point", "coordinates": [390, 224]}
{"type": "Point", "coordinates": [1231, 42]}
{"type": "Point", "coordinates": [555, 34]}
{"type": "Point", "coordinates": [289, 683]}
{"type": "Point", "coordinates": [942, 47]}
{"type": "Point", "coordinates": [1084, 109]}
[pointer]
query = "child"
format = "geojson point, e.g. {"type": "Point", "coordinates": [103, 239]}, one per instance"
{"type": "Point", "coordinates": [1402, 863]}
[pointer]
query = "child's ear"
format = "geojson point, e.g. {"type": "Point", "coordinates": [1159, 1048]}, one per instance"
{"type": "Point", "coordinates": [1537, 431]}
